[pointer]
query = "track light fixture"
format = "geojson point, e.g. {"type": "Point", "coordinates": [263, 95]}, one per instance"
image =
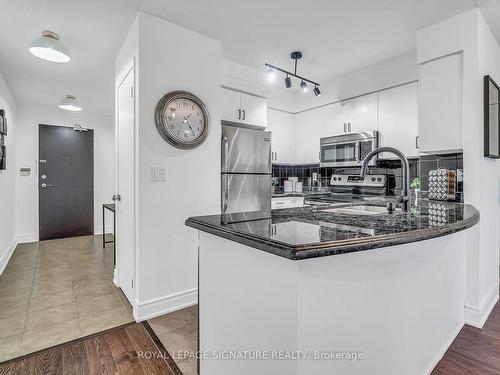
{"type": "Point", "coordinates": [316, 91]}
{"type": "Point", "coordinates": [303, 85]}
{"type": "Point", "coordinates": [296, 55]}
{"type": "Point", "coordinates": [270, 74]}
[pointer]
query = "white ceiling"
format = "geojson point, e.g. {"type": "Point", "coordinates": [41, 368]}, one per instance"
{"type": "Point", "coordinates": [336, 36]}
{"type": "Point", "coordinates": [490, 9]}
{"type": "Point", "coordinates": [92, 30]}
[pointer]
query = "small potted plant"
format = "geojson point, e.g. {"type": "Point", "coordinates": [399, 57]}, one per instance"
{"type": "Point", "coordinates": [274, 183]}
{"type": "Point", "coordinates": [415, 186]}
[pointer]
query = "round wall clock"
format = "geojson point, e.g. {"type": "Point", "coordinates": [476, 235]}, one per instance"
{"type": "Point", "coordinates": [182, 119]}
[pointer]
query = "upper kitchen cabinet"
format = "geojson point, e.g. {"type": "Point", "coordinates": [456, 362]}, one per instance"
{"type": "Point", "coordinates": [440, 98]}
{"type": "Point", "coordinates": [246, 109]}
{"type": "Point", "coordinates": [310, 126]}
{"type": "Point", "coordinates": [398, 113]}
{"type": "Point", "coordinates": [362, 113]}
{"type": "Point", "coordinates": [281, 124]}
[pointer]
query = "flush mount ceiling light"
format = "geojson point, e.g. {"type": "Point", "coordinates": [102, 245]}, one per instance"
{"type": "Point", "coordinates": [69, 103]}
{"type": "Point", "coordinates": [48, 47]}
{"type": "Point", "coordinates": [288, 81]}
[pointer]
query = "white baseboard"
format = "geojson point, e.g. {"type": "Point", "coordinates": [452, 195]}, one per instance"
{"type": "Point", "coordinates": [476, 317]}
{"type": "Point", "coordinates": [4, 260]}
{"type": "Point", "coordinates": [444, 348]}
{"type": "Point", "coordinates": [164, 305]}
{"type": "Point", "coordinates": [26, 238]}
{"type": "Point", "coordinates": [98, 230]}
{"type": "Point", "coordinates": [115, 278]}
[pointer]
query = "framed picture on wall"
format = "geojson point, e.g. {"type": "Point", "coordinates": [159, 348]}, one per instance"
{"type": "Point", "coordinates": [491, 119]}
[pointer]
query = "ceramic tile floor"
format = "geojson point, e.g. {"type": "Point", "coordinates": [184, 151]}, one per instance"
{"type": "Point", "coordinates": [55, 291]}
{"type": "Point", "coordinates": [178, 331]}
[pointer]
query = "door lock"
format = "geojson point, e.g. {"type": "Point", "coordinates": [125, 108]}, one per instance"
{"type": "Point", "coordinates": [117, 197]}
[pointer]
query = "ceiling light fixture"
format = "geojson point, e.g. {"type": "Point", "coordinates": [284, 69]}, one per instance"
{"type": "Point", "coordinates": [303, 85]}
{"type": "Point", "coordinates": [296, 55]}
{"type": "Point", "coordinates": [316, 91]}
{"type": "Point", "coordinates": [69, 103]}
{"type": "Point", "coordinates": [270, 74]}
{"type": "Point", "coordinates": [48, 47]}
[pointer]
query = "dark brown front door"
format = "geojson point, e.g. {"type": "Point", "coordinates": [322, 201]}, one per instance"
{"type": "Point", "coordinates": [65, 182]}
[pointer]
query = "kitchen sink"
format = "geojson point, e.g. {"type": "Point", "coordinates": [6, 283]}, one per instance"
{"type": "Point", "coordinates": [358, 210]}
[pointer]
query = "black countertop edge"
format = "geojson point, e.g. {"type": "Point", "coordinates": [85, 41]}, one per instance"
{"type": "Point", "coordinates": [338, 247]}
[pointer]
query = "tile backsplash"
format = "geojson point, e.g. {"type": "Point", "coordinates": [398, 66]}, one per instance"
{"type": "Point", "coordinates": [304, 172]}
{"type": "Point", "coordinates": [418, 168]}
{"type": "Point", "coordinates": [449, 161]}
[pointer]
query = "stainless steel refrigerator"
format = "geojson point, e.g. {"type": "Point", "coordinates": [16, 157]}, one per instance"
{"type": "Point", "coordinates": [246, 170]}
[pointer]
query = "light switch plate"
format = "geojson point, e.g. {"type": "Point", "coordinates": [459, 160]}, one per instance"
{"type": "Point", "coordinates": [158, 173]}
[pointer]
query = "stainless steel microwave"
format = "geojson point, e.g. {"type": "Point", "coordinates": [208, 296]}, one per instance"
{"type": "Point", "coordinates": [348, 150]}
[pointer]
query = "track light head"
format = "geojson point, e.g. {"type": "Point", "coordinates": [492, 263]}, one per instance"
{"type": "Point", "coordinates": [270, 74]}
{"type": "Point", "coordinates": [303, 85]}
{"type": "Point", "coordinates": [316, 91]}
{"type": "Point", "coordinates": [288, 82]}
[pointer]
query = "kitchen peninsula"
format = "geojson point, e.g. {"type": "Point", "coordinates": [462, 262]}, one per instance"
{"type": "Point", "coordinates": [321, 281]}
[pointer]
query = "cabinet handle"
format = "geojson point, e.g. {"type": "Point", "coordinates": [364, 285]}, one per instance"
{"type": "Point", "coordinates": [276, 156]}
{"type": "Point", "coordinates": [345, 127]}
{"type": "Point", "coordinates": [239, 114]}
{"type": "Point", "coordinates": [416, 141]}
{"type": "Point", "coordinates": [349, 126]}
{"type": "Point", "coordinates": [244, 114]}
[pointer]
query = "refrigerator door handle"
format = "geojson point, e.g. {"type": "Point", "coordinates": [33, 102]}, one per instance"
{"type": "Point", "coordinates": [226, 153]}
{"type": "Point", "coordinates": [226, 193]}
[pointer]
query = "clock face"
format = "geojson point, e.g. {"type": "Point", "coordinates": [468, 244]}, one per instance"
{"type": "Point", "coordinates": [182, 119]}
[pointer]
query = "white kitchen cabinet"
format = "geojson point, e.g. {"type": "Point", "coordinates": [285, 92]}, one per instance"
{"type": "Point", "coordinates": [244, 108]}
{"type": "Point", "coordinates": [231, 105]}
{"type": "Point", "coordinates": [440, 104]}
{"type": "Point", "coordinates": [281, 125]}
{"type": "Point", "coordinates": [398, 113]}
{"type": "Point", "coordinates": [310, 126]}
{"type": "Point", "coordinates": [362, 113]}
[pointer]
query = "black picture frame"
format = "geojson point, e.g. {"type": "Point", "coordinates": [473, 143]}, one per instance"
{"type": "Point", "coordinates": [489, 83]}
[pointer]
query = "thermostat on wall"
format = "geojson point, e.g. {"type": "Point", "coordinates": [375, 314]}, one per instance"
{"type": "Point", "coordinates": [24, 171]}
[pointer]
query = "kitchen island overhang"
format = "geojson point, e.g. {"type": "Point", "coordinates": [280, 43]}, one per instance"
{"type": "Point", "coordinates": [400, 305]}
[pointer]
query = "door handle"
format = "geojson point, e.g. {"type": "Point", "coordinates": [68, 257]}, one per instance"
{"type": "Point", "coordinates": [226, 152]}
{"type": "Point", "coordinates": [117, 197]}
{"type": "Point", "coordinates": [226, 193]}
{"type": "Point", "coordinates": [44, 185]}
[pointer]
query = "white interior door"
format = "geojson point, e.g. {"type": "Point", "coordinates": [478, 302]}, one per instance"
{"type": "Point", "coordinates": [125, 211]}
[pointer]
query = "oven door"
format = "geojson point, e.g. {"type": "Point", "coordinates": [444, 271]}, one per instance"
{"type": "Point", "coordinates": [340, 154]}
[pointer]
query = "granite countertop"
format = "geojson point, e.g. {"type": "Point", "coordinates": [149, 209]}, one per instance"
{"type": "Point", "coordinates": [307, 232]}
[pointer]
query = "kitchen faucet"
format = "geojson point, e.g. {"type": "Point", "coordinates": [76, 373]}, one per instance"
{"type": "Point", "coordinates": [404, 198]}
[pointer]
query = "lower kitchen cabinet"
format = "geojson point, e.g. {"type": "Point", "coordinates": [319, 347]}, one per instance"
{"type": "Point", "coordinates": [398, 114]}
{"type": "Point", "coordinates": [286, 202]}
{"type": "Point", "coordinates": [282, 126]}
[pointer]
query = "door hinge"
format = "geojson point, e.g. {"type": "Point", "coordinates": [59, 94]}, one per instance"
{"type": "Point", "coordinates": [131, 91]}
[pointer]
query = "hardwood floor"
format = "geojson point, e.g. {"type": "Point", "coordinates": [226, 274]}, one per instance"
{"type": "Point", "coordinates": [474, 351]}
{"type": "Point", "coordinates": [116, 351]}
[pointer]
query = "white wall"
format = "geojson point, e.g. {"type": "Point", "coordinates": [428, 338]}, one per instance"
{"type": "Point", "coordinates": [166, 250]}
{"type": "Point", "coordinates": [7, 182]}
{"type": "Point", "coordinates": [254, 81]}
{"type": "Point", "coordinates": [393, 72]}
{"type": "Point", "coordinates": [468, 33]}
{"type": "Point", "coordinates": [29, 117]}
